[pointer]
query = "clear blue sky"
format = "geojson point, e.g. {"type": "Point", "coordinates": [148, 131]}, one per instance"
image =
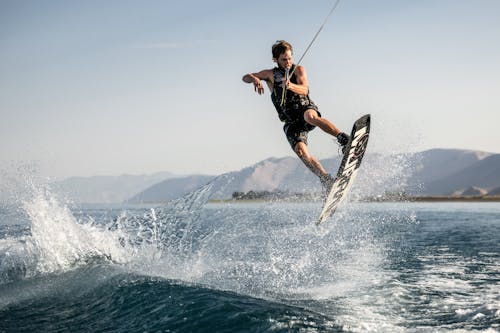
{"type": "Point", "coordinates": [112, 87]}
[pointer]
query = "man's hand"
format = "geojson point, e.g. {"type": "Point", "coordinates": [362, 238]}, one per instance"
{"type": "Point", "coordinates": [285, 83]}
{"type": "Point", "coordinates": [257, 78]}
{"type": "Point", "coordinates": [257, 86]}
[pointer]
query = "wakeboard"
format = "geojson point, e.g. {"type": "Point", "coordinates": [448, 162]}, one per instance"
{"type": "Point", "coordinates": [353, 155]}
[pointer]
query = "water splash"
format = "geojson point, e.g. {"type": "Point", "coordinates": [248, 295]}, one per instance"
{"type": "Point", "coordinates": [57, 241]}
{"type": "Point", "coordinates": [61, 241]}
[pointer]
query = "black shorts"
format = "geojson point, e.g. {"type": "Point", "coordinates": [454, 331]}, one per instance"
{"type": "Point", "coordinates": [297, 131]}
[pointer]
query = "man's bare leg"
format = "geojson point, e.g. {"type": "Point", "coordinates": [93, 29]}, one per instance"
{"type": "Point", "coordinates": [310, 161]}
{"type": "Point", "coordinates": [312, 117]}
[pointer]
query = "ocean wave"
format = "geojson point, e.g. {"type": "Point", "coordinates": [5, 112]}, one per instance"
{"type": "Point", "coordinates": [131, 303]}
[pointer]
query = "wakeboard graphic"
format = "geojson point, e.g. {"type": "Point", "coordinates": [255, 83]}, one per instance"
{"type": "Point", "coordinates": [354, 152]}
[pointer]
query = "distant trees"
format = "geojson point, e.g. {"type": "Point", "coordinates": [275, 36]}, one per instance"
{"type": "Point", "coordinates": [276, 195]}
{"type": "Point", "coordinates": [255, 195]}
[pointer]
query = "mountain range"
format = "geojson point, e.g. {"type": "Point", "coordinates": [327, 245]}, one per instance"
{"type": "Point", "coordinates": [435, 172]}
{"type": "Point", "coordinates": [107, 189]}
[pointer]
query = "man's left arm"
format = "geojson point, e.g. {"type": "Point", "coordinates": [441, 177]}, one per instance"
{"type": "Point", "coordinates": [302, 86]}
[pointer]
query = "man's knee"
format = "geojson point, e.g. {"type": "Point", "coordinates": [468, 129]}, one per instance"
{"type": "Point", "coordinates": [311, 116]}
{"type": "Point", "coordinates": [301, 150]}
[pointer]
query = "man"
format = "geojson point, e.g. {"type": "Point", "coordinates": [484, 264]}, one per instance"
{"type": "Point", "coordinates": [290, 96]}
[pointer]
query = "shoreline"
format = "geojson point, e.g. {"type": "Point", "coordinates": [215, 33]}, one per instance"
{"type": "Point", "coordinates": [436, 199]}
{"type": "Point", "coordinates": [296, 199]}
{"type": "Point", "coordinates": [389, 199]}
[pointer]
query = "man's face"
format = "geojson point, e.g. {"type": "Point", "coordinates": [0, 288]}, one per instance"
{"type": "Point", "coordinates": [285, 59]}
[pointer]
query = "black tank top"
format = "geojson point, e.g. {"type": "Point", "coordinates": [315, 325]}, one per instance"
{"type": "Point", "coordinates": [290, 106]}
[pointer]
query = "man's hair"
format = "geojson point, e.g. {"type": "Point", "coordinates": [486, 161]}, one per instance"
{"type": "Point", "coordinates": [281, 47]}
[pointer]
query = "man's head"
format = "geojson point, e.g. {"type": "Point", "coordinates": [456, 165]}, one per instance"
{"type": "Point", "coordinates": [282, 54]}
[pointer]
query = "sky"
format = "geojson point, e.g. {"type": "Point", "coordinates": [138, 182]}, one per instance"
{"type": "Point", "coordinates": [136, 87]}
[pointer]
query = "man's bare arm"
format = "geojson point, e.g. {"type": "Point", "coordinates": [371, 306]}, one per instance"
{"type": "Point", "coordinates": [302, 86]}
{"type": "Point", "coordinates": [256, 79]}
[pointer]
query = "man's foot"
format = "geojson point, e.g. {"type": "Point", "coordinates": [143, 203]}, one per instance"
{"type": "Point", "coordinates": [343, 139]}
{"type": "Point", "coordinates": [327, 182]}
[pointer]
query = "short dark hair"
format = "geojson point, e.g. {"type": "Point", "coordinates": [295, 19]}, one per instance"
{"type": "Point", "coordinates": [281, 47]}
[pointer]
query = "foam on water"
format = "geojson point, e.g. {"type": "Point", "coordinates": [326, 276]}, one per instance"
{"type": "Point", "coordinates": [61, 242]}
{"type": "Point", "coordinates": [56, 242]}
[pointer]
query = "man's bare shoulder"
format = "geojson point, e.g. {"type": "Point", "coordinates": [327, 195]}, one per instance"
{"type": "Point", "coordinates": [265, 74]}
{"type": "Point", "coordinates": [300, 69]}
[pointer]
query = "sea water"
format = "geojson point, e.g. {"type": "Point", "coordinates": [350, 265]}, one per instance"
{"type": "Point", "coordinates": [193, 266]}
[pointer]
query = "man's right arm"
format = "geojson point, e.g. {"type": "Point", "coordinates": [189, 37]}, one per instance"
{"type": "Point", "coordinates": [256, 79]}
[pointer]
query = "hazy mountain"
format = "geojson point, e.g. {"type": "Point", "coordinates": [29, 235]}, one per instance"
{"type": "Point", "coordinates": [444, 171]}
{"type": "Point", "coordinates": [170, 189]}
{"type": "Point", "coordinates": [483, 174]}
{"type": "Point", "coordinates": [432, 172]}
{"type": "Point", "coordinates": [495, 191]}
{"type": "Point", "coordinates": [438, 163]}
{"type": "Point", "coordinates": [471, 191]}
{"type": "Point", "coordinates": [286, 174]}
{"type": "Point", "coordinates": [106, 189]}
